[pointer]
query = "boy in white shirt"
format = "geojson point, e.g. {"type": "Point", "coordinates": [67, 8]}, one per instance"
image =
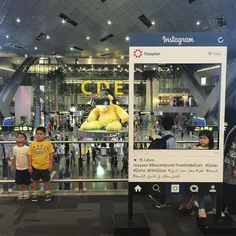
{"type": "Point", "coordinates": [20, 161]}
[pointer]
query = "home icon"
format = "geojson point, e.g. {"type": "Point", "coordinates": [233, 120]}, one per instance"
{"type": "Point", "coordinates": [137, 189]}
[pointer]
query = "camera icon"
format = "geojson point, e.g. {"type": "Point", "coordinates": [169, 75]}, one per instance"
{"type": "Point", "coordinates": [175, 188]}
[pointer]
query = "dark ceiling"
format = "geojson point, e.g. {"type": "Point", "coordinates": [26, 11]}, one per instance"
{"type": "Point", "coordinates": [89, 18]}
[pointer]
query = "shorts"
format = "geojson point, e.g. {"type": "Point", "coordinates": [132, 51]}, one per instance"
{"type": "Point", "coordinates": [23, 177]}
{"type": "Point", "coordinates": [44, 175]}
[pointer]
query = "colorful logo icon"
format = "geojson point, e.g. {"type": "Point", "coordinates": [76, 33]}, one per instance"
{"type": "Point", "coordinates": [138, 53]}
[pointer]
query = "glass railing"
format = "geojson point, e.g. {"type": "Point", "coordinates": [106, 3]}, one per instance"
{"type": "Point", "coordinates": [90, 172]}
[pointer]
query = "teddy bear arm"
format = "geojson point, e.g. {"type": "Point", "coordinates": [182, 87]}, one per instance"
{"type": "Point", "coordinates": [123, 115]}
{"type": "Point", "coordinates": [93, 115]}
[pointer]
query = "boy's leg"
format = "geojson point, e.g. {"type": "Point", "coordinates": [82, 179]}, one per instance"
{"type": "Point", "coordinates": [46, 178]}
{"type": "Point", "coordinates": [36, 174]}
{"type": "Point", "coordinates": [47, 186]}
{"type": "Point", "coordinates": [35, 186]}
{"type": "Point", "coordinates": [21, 192]}
{"type": "Point", "coordinates": [26, 192]}
{"type": "Point", "coordinates": [19, 182]}
{"type": "Point", "coordinates": [20, 187]}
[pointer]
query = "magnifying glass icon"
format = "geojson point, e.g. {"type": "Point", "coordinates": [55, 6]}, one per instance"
{"type": "Point", "coordinates": [156, 188]}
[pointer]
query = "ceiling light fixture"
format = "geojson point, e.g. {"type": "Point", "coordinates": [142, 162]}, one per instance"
{"type": "Point", "coordinates": [198, 22]}
{"type": "Point", "coordinates": [18, 20]}
{"type": "Point", "coordinates": [122, 57]}
{"type": "Point", "coordinates": [145, 20]}
{"type": "Point", "coordinates": [18, 61]}
{"type": "Point", "coordinates": [48, 37]}
{"type": "Point", "coordinates": [88, 38]}
{"type": "Point", "coordinates": [71, 48]}
{"type": "Point", "coordinates": [26, 55]}
{"type": "Point", "coordinates": [63, 21]}
{"type": "Point", "coordinates": [105, 62]}
{"type": "Point", "coordinates": [90, 56]}
{"type": "Point", "coordinates": [35, 48]}
{"type": "Point", "coordinates": [127, 38]}
{"type": "Point", "coordinates": [208, 68]}
{"type": "Point", "coordinates": [67, 19]}
{"type": "Point", "coordinates": [7, 36]}
{"type": "Point", "coordinates": [108, 22]}
{"type": "Point", "coordinates": [0, 47]}
{"type": "Point", "coordinates": [106, 37]}
{"type": "Point", "coordinates": [153, 22]}
{"type": "Point", "coordinates": [107, 49]}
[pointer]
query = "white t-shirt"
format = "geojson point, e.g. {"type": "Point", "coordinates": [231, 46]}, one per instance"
{"type": "Point", "coordinates": [20, 154]}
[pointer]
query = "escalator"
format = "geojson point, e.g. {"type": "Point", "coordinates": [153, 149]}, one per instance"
{"type": "Point", "coordinates": [9, 90]}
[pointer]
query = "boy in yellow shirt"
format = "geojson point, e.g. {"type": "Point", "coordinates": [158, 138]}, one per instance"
{"type": "Point", "coordinates": [40, 154]}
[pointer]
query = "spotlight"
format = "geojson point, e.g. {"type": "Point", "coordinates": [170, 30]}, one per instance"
{"type": "Point", "coordinates": [122, 57]}
{"type": "Point", "coordinates": [7, 36]}
{"type": "Point", "coordinates": [108, 22]}
{"type": "Point", "coordinates": [198, 22]}
{"type": "Point", "coordinates": [153, 22]}
{"type": "Point", "coordinates": [48, 37]}
{"type": "Point", "coordinates": [35, 48]}
{"type": "Point", "coordinates": [88, 38]}
{"type": "Point", "coordinates": [127, 38]}
{"type": "Point", "coordinates": [63, 21]}
{"type": "Point", "coordinates": [71, 48]}
{"type": "Point", "coordinates": [107, 49]}
{"type": "Point", "coordinates": [18, 20]}
{"type": "Point", "coordinates": [26, 55]}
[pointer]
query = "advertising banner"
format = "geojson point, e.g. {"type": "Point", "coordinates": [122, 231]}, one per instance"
{"type": "Point", "coordinates": [164, 59]}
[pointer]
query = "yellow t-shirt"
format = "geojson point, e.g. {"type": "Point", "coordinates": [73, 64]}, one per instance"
{"type": "Point", "coordinates": [40, 154]}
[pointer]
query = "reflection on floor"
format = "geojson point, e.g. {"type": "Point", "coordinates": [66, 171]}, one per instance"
{"type": "Point", "coordinates": [86, 216]}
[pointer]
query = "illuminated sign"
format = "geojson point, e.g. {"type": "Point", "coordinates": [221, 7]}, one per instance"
{"type": "Point", "coordinates": [17, 128]}
{"type": "Point", "coordinates": [197, 129]}
{"type": "Point", "coordinates": [146, 113]}
{"type": "Point", "coordinates": [118, 86]}
{"type": "Point", "coordinates": [64, 113]}
{"type": "Point", "coordinates": [194, 128]}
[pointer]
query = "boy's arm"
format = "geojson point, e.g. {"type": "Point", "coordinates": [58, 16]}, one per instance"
{"type": "Point", "coordinates": [50, 161]}
{"type": "Point", "coordinates": [30, 164]}
{"type": "Point", "coordinates": [12, 164]}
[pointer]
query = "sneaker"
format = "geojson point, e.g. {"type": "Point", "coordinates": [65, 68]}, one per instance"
{"type": "Point", "coordinates": [48, 196]}
{"type": "Point", "coordinates": [26, 195]}
{"type": "Point", "coordinates": [34, 197]}
{"type": "Point", "coordinates": [160, 206]}
{"type": "Point", "coordinates": [21, 195]}
{"type": "Point", "coordinates": [202, 213]}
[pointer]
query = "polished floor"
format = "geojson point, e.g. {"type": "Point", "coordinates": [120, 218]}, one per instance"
{"type": "Point", "coordinates": [86, 216]}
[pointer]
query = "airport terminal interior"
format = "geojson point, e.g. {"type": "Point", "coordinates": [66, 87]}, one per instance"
{"type": "Point", "coordinates": [60, 60]}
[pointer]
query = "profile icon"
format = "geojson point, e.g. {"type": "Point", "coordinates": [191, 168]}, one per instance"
{"type": "Point", "coordinates": [213, 189]}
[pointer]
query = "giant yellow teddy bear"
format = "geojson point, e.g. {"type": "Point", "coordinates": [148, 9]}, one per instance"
{"type": "Point", "coordinates": [106, 114]}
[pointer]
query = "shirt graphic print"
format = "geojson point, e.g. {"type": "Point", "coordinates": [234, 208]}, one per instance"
{"type": "Point", "coordinates": [21, 158]}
